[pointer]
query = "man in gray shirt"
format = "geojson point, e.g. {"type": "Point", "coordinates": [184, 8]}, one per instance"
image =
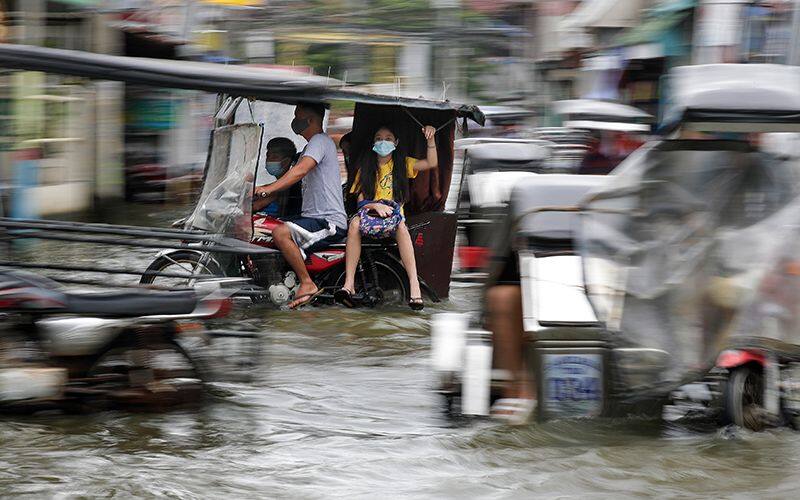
{"type": "Point", "coordinates": [322, 220]}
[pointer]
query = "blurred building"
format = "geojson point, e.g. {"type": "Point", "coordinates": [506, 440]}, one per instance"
{"type": "Point", "coordinates": [621, 49]}
{"type": "Point", "coordinates": [470, 49]}
{"type": "Point", "coordinates": [85, 142]}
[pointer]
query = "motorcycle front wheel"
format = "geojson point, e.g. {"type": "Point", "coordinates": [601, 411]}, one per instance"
{"type": "Point", "coordinates": [180, 262]}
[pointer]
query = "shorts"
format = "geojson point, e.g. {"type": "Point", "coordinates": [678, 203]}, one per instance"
{"type": "Point", "coordinates": [313, 225]}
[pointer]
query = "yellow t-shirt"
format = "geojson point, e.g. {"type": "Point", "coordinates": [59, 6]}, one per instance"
{"type": "Point", "coordinates": [383, 182]}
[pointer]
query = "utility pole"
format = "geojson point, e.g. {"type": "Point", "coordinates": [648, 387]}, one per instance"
{"type": "Point", "coordinates": [793, 57]}
{"type": "Point", "coordinates": [718, 31]}
{"type": "Point", "coordinates": [449, 53]}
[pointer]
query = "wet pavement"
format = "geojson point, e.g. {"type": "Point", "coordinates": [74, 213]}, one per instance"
{"type": "Point", "coordinates": [341, 406]}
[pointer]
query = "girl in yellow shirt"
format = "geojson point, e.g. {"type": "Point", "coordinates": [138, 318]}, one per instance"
{"type": "Point", "coordinates": [383, 174]}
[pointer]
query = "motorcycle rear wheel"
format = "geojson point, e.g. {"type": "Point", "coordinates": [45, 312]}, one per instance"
{"type": "Point", "coordinates": [391, 288]}
{"type": "Point", "coordinates": [743, 398]}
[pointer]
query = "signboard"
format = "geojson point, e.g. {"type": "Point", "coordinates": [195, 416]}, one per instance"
{"type": "Point", "coordinates": [573, 385]}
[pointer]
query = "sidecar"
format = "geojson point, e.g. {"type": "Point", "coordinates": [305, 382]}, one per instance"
{"type": "Point", "coordinates": [575, 366]}
{"type": "Point", "coordinates": [491, 168]}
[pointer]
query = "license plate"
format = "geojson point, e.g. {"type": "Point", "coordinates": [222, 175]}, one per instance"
{"type": "Point", "coordinates": [573, 385]}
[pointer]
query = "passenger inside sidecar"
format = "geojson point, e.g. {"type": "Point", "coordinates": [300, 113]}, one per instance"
{"type": "Point", "coordinates": [280, 157]}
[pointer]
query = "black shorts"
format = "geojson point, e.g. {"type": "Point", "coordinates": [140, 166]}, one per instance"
{"type": "Point", "coordinates": [313, 225]}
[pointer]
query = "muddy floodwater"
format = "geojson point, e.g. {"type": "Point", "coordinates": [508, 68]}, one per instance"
{"type": "Point", "coordinates": [341, 406]}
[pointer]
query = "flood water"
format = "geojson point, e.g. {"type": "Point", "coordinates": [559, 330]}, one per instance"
{"type": "Point", "coordinates": [342, 406]}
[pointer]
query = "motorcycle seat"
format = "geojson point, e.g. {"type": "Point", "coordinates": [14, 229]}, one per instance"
{"type": "Point", "coordinates": [131, 303]}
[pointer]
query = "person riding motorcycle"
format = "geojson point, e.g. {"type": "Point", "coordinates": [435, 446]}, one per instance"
{"type": "Point", "coordinates": [322, 220]}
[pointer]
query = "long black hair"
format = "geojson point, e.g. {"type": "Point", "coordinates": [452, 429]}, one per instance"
{"type": "Point", "coordinates": [368, 166]}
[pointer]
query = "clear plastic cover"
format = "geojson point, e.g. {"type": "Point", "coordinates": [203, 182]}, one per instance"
{"type": "Point", "coordinates": [226, 203]}
{"type": "Point", "coordinates": [676, 244]}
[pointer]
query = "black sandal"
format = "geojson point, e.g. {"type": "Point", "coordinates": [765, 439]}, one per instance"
{"type": "Point", "coordinates": [416, 304]}
{"type": "Point", "coordinates": [344, 297]}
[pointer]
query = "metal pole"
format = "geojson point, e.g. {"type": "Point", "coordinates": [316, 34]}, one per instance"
{"type": "Point", "coordinates": [794, 51]}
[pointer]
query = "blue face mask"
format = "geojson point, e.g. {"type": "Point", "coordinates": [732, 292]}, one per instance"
{"type": "Point", "coordinates": [274, 168]}
{"type": "Point", "coordinates": [383, 148]}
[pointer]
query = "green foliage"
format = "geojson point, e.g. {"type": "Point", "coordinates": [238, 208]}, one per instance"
{"type": "Point", "coordinates": [324, 56]}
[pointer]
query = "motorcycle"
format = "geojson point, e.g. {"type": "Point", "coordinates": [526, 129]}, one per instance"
{"type": "Point", "coordinates": [702, 267]}
{"type": "Point", "coordinates": [225, 207]}
{"type": "Point", "coordinates": [677, 286]}
{"type": "Point", "coordinates": [79, 351]}
{"type": "Point", "coordinates": [380, 276]}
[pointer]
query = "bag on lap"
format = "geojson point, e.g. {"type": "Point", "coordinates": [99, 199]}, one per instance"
{"type": "Point", "coordinates": [374, 226]}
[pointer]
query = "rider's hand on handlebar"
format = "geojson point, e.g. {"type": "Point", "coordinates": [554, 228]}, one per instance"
{"type": "Point", "coordinates": [261, 192]}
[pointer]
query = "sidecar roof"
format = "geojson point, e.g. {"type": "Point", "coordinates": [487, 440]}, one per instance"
{"type": "Point", "coordinates": [553, 191]}
{"type": "Point", "coordinates": [733, 98]}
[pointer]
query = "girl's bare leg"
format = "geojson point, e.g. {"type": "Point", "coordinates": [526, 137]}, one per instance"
{"type": "Point", "coordinates": [352, 254]}
{"type": "Point", "coordinates": [407, 256]}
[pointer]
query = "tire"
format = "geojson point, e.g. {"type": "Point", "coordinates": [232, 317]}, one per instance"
{"type": "Point", "coordinates": [743, 398]}
{"type": "Point", "coordinates": [151, 377]}
{"type": "Point", "coordinates": [391, 282]}
{"type": "Point", "coordinates": [178, 262]}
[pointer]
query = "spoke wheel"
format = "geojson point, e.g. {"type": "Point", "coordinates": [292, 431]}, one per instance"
{"type": "Point", "coordinates": [391, 288]}
{"type": "Point", "coordinates": [178, 263]}
{"type": "Point", "coordinates": [744, 398]}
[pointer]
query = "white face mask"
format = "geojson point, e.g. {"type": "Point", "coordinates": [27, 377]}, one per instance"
{"type": "Point", "coordinates": [383, 148]}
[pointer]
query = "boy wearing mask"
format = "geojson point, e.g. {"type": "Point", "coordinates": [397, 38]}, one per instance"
{"type": "Point", "coordinates": [280, 155]}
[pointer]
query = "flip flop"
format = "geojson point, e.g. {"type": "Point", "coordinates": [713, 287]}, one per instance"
{"type": "Point", "coordinates": [345, 297]}
{"type": "Point", "coordinates": [513, 411]}
{"type": "Point", "coordinates": [309, 299]}
{"type": "Point", "coordinates": [416, 304]}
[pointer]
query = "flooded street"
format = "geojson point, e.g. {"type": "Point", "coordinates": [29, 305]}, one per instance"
{"type": "Point", "coordinates": [342, 407]}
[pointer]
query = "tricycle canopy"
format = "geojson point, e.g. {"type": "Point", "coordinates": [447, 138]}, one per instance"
{"type": "Point", "coordinates": [601, 110]}
{"type": "Point", "coordinates": [733, 98]}
{"type": "Point", "coordinates": [592, 114]}
{"type": "Point", "coordinates": [266, 84]}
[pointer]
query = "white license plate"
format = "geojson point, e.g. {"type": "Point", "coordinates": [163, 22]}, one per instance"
{"type": "Point", "coordinates": [573, 384]}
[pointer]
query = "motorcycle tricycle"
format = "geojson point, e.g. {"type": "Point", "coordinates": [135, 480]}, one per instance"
{"type": "Point", "coordinates": [255, 105]}
{"type": "Point", "coordinates": [236, 164]}
{"type": "Point", "coordinates": [686, 254]}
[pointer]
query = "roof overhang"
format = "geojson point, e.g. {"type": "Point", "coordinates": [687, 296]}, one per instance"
{"type": "Point", "coordinates": [599, 108]}
{"type": "Point", "coordinates": [609, 126]}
